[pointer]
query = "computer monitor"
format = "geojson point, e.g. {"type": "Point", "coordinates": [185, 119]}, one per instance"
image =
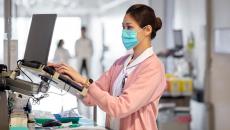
{"type": "Point", "coordinates": [39, 39]}
{"type": "Point", "coordinates": [38, 46]}
{"type": "Point", "coordinates": [178, 38]}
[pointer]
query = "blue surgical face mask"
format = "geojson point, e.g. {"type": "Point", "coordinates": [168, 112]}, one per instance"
{"type": "Point", "coordinates": [129, 38]}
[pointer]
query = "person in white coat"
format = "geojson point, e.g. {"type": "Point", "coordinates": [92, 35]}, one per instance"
{"type": "Point", "coordinates": [61, 54]}
{"type": "Point", "coordinates": [84, 52]}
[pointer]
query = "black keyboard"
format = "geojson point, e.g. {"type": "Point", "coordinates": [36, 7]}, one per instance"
{"type": "Point", "coordinates": [63, 78]}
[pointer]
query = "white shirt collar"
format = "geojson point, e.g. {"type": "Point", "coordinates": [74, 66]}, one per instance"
{"type": "Point", "coordinates": [144, 55]}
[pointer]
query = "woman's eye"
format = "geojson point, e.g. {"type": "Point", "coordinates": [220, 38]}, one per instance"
{"type": "Point", "coordinates": [129, 27]}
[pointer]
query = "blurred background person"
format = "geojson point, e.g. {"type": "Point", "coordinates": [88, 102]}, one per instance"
{"type": "Point", "coordinates": [61, 54]}
{"type": "Point", "coordinates": [84, 52]}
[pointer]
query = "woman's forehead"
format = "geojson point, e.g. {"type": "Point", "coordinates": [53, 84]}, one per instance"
{"type": "Point", "coordinates": [127, 22]}
{"type": "Point", "coordinates": [128, 19]}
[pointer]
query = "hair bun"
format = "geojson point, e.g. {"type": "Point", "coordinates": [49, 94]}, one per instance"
{"type": "Point", "coordinates": [158, 23]}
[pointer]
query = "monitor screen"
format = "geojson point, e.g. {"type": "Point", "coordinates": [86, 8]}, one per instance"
{"type": "Point", "coordinates": [178, 37]}
{"type": "Point", "coordinates": [39, 39]}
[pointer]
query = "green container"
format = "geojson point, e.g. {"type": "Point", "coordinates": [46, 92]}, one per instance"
{"type": "Point", "coordinates": [74, 120]}
{"type": "Point", "coordinates": [18, 128]}
{"type": "Point", "coordinates": [42, 120]}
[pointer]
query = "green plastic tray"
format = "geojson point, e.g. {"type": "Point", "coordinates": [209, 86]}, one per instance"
{"type": "Point", "coordinates": [42, 120]}
{"type": "Point", "coordinates": [74, 120]}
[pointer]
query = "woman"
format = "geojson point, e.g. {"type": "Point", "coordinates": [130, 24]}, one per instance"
{"type": "Point", "coordinates": [130, 90]}
{"type": "Point", "coordinates": [61, 54]}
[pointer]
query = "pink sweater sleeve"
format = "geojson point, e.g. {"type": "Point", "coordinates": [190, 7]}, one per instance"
{"type": "Point", "coordinates": [102, 83]}
{"type": "Point", "coordinates": [147, 86]}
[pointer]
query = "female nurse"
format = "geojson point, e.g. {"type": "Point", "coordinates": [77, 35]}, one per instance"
{"type": "Point", "coordinates": [130, 90]}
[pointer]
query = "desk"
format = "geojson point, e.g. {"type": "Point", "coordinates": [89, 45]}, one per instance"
{"type": "Point", "coordinates": [86, 124]}
{"type": "Point", "coordinates": [78, 128]}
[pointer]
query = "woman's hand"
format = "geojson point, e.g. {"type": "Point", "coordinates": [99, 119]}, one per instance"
{"type": "Point", "coordinates": [69, 71]}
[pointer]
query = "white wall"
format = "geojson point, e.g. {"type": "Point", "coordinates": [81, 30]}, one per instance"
{"type": "Point", "coordinates": [1, 31]}
{"type": "Point", "coordinates": [95, 33]}
{"type": "Point", "coordinates": [1, 39]}
{"type": "Point", "coordinates": [190, 16]}
{"type": "Point", "coordinates": [219, 82]}
{"type": "Point", "coordinates": [159, 43]}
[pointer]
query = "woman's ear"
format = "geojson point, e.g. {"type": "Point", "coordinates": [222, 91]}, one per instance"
{"type": "Point", "coordinates": [148, 30]}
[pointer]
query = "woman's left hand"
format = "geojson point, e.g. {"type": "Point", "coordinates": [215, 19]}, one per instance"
{"type": "Point", "coordinates": [69, 71]}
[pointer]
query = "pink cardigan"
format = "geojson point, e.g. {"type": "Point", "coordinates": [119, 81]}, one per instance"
{"type": "Point", "coordinates": [137, 106]}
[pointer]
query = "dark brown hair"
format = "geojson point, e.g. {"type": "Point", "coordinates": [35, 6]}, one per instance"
{"type": "Point", "coordinates": [60, 43]}
{"type": "Point", "coordinates": [145, 15]}
{"type": "Point", "coordinates": [83, 28]}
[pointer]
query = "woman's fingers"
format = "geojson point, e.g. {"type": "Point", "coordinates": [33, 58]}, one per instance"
{"type": "Point", "coordinates": [63, 71]}
{"type": "Point", "coordinates": [51, 64]}
{"type": "Point", "coordinates": [63, 64]}
{"type": "Point", "coordinates": [66, 70]}
{"type": "Point", "coordinates": [58, 65]}
{"type": "Point", "coordinates": [62, 67]}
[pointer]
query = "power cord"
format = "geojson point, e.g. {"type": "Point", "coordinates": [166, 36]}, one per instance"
{"type": "Point", "coordinates": [50, 80]}
{"type": "Point", "coordinates": [59, 93]}
{"type": "Point", "coordinates": [23, 71]}
{"type": "Point", "coordinates": [36, 100]}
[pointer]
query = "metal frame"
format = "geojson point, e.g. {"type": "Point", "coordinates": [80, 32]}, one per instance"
{"type": "Point", "coordinates": [4, 124]}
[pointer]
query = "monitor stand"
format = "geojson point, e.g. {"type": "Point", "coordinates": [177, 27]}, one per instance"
{"type": "Point", "coordinates": [4, 123]}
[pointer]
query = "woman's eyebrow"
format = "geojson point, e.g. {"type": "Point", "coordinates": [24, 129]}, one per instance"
{"type": "Point", "coordinates": [126, 23]}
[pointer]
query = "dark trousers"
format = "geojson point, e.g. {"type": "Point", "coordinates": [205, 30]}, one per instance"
{"type": "Point", "coordinates": [84, 67]}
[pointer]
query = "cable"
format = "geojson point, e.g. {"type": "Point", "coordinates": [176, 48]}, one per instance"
{"type": "Point", "coordinates": [36, 100]}
{"type": "Point", "coordinates": [38, 124]}
{"type": "Point", "coordinates": [59, 93]}
{"type": "Point", "coordinates": [68, 89]}
{"type": "Point", "coordinates": [23, 71]}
